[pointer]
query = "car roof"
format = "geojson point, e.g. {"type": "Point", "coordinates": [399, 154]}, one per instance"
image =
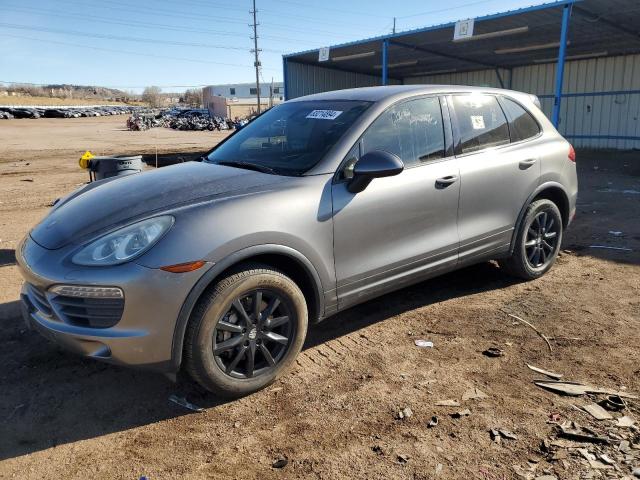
{"type": "Point", "coordinates": [377, 94]}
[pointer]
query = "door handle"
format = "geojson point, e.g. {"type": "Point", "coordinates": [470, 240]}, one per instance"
{"type": "Point", "coordinates": [529, 162]}
{"type": "Point", "coordinates": [444, 182]}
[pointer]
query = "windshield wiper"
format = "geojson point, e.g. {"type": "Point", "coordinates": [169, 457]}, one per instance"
{"type": "Point", "coordinates": [248, 166]}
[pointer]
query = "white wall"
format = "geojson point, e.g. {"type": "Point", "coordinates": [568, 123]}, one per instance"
{"type": "Point", "coordinates": [243, 90]}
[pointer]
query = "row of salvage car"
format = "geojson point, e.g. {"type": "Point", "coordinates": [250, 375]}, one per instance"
{"type": "Point", "coordinates": [9, 112]}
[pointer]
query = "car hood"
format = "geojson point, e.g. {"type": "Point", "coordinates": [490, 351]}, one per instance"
{"type": "Point", "coordinates": [108, 204]}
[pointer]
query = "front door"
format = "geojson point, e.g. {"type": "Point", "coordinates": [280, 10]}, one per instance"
{"type": "Point", "coordinates": [399, 229]}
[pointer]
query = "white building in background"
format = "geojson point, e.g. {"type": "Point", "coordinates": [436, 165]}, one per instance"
{"type": "Point", "coordinates": [246, 90]}
{"type": "Point", "coordinates": [240, 99]}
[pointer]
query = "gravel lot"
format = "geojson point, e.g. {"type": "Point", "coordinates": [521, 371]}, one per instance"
{"type": "Point", "coordinates": [335, 415]}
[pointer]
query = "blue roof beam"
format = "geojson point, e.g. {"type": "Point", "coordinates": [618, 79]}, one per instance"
{"type": "Point", "coordinates": [445, 55]}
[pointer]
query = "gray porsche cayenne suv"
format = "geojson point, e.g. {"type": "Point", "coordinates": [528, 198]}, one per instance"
{"type": "Point", "coordinates": [217, 267]}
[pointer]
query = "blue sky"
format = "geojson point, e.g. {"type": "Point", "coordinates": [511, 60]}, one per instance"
{"type": "Point", "coordinates": [181, 43]}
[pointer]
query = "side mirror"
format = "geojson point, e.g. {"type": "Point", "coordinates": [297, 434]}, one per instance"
{"type": "Point", "coordinates": [375, 164]}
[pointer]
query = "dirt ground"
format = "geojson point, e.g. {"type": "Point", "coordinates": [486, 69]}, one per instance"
{"type": "Point", "coordinates": [335, 415]}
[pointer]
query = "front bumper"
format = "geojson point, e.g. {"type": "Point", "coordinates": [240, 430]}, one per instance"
{"type": "Point", "coordinates": [152, 300]}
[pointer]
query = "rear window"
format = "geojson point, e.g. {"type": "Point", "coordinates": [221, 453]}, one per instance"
{"type": "Point", "coordinates": [481, 122]}
{"type": "Point", "coordinates": [522, 125]}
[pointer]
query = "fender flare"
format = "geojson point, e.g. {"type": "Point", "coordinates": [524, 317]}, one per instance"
{"type": "Point", "coordinates": [540, 188]}
{"type": "Point", "coordinates": [216, 269]}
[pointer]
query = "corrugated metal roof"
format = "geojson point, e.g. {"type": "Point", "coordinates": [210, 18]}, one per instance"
{"type": "Point", "coordinates": [597, 28]}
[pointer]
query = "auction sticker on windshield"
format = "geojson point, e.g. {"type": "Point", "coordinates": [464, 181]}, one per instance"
{"type": "Point", "coordinates": [324, 114]}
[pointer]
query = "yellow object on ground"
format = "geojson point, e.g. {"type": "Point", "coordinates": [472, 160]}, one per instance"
{"type": "Point", "coordinates": [84, 159]}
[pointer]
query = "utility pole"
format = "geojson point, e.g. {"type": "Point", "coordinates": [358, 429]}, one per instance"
{"type": "Point", "coordinates": [394, 25]}
{"type": "Point", "coordinates": [255, 51]}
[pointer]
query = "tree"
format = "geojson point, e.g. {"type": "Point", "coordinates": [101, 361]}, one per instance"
{"type": "Point", "coordinates": [193, 97]}
{"type": "Point", "coordinates": [152, 96]}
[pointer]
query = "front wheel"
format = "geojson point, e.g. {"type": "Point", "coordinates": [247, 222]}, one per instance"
{"type": "Point", "coordinates": [245, 331]}
{"type": "Point", "coordinates": [537, 241]}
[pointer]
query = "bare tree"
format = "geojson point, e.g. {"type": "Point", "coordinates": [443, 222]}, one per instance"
{"type": "Point", "coordinates": [152, 96]}
{"type": "Point", "coordinates": [193, 97]}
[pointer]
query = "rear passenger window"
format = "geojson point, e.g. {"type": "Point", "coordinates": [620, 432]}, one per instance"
{"type": "Point", "coordinates": [412, 130]}
{"type": "Point", "coordinates": [481, 122]}
{"type": "Point", "coordinates": [522, 125]}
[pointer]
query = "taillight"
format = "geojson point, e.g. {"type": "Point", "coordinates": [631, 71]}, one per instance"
{"type": "Point", "coordinates": [572, 153]}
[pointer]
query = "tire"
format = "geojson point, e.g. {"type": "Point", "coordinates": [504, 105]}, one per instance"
{"type": "Point", "coordinates": [218, 318]}
{"type": "Point", "coordinates": [541, 230]}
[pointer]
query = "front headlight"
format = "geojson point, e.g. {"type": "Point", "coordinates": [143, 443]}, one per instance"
{"type": "Point", "coordinates": [124, 244]}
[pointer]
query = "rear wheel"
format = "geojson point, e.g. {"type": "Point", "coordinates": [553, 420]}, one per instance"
{"type": "Point", "coordinates": [246, 331]}
{"type": "Point", "coordinates": [537, 241]}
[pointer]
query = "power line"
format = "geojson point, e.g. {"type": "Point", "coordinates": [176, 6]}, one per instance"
{"type": "Point", "coordinates": [128, 52]}
{"type": "Point", "coordinates": [112, 5]}
{"type": "Point", "coordinates": [447, 9]}
{"type": "Point", "coordinates": [124, 38]}
{"type": "Point", "coordinates": [138, 24]}
{"type": "Point", "coordinates": [340, 10]}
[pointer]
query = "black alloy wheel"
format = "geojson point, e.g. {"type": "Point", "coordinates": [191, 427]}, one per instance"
{"type": "Point", "coordinates": [254, 334]}
{"type": "Point", "coordinates": [541, 239]}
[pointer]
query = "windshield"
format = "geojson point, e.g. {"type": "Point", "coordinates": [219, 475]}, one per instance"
{"type": "Point", "coordinates": [291, 138]}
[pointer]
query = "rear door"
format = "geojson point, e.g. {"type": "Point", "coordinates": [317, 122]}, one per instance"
{"type": "Point", "coordinates": [401, 228]}
{"type": "Point", "coordinates": [498, 169]}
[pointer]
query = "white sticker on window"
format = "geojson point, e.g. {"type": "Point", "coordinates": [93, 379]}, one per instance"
{"type": "Point", "coordinates": [325, 114]}
{"type": "Point", "coordinates": [478, 122]}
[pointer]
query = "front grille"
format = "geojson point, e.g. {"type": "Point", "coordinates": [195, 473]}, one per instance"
{"type": "Point", "coordinates": [78, 311]}
{"type": "Point", "coordinates": [39, 300]}
{"type": "Point", "coordinates": [89, 312]}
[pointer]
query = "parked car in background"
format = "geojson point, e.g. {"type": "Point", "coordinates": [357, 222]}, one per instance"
{"type": "Point", "coordinates": [321, 203]}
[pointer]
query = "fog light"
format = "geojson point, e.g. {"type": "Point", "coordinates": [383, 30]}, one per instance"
{"type": "Point", "coordinates": [87, 292]}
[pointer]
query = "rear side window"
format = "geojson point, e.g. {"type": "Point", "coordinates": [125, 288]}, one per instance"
{"type": "Point", "coordinates": [522, 125]}
{"type": "Point", "coordinates": [481, 122]}
{"type": "Point", "coordinates": [412, 130]}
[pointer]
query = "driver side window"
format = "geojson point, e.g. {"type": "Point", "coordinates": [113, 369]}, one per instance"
{"type": "Point", "coordinates": [412, 130]}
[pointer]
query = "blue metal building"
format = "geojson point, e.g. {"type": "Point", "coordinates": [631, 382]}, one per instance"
{"type": "Point", "coordinates": [581, 57]}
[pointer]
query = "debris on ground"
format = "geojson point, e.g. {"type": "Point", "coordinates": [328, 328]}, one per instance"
{"type": "Point", "coordinates": [597, 412]}
{"type": "Point", "coordinates": [423, 343]}
{"type": "Point", "coordinates": [402, 458]}
{"type": "Point", "coordinates": [543, 336]}
{"type": "Point", "coordinates": [572, 431]}
{"type": "Point", "coordinates": [626, 422]}
{"type": "Point", "coordinates": [462, 413]}
{"type": "Point", "coordinates": [493, 352]}
{"type": "Point", "coordinates": [507, 434]}
{"type": "Point", "coordinates": [280, 462]}
{"type": "Point", "coordinates": [433, 422]}
{"type": "Point", "coordinates": [607, 247]}
{"type": "Point", "coordinates": [576, 389]}
{"type": "Point", "coordinates": [182, 401]}
{"type": "Point", "coordinates": [474, 394]}
{"type": "Point", "coordinates": [614, 403]}
{"type": "Point", "coordinates": [615, 233]}
{"type": "Point", "coordinates": [447, 403]}
{"type": "Point", "coordinates": [404, 413]}
{"type": "Point", "coordinates": [556, 376]}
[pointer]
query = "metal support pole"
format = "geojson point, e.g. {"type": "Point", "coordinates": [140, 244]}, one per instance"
{"type": "Point", "coordinates": [285, 78]}
{"type": "Point", "coordinates": [385, 73]}
{"type": "Point", "coordinates": [500, 80]}
{"type": "Point", "coordinates": [566, 13]}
